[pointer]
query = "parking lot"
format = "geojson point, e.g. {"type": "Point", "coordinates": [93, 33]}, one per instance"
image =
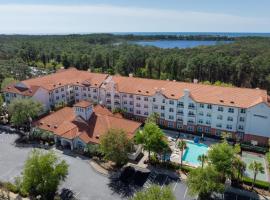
{"type": "Point", "coordinates": [86, 183]}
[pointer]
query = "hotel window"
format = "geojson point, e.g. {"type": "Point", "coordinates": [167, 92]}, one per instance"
{"type": "Point", "coordinates": [124, 95]}
{"type": "Point", "coordinates": [201, 105]}
{"type": "Point", "coordinates": [62, 89]}
{"type": "Point", "coordinates": [209, 106]}
{"type": "Point", "coordinates": [199, 129]}
{"type": "Point", "coordinates": [88, 89]}
{"type": "Point", "coordinates": [200, 121]}
{"type": "Point", "coordinates": [125, 102]}
{"type": "Point", "coordinates": [230, 119]}
{"type": "Point", "coordinates": [243, 111]}
{"type": "Point", "coordinates": [241, 127]}
{"type": "Point", "coordinates": [190, 128]}
{"type": "Point", "coordinates": [171, 102]}
{"type": "Point", "coordinates": [146, 113]}
{"type": "Point", "coordinates": [219, 125]}
{"type": "Point", "coordinates": [145, 98]}
{"type": "Point", "coordinates": [162, 107]}
{"type": "Point", "coordinates": [162, 115]}
{"type": "Point", "coordinates": [84, 88]}
{"type": "Point", "coordinates": [219, 117]}
{"type": "Point", "coordinates": [191, 106]}
{"type": "Point", "coordinates": [171, 117]}
{"type": "Point", "coordinates": [241, 119]}
{"type": "Point", "coordinates": [138, 105]}
{"type": "Point", "coordinates": [138, 112]}
{"type": "Point", "coordinates": [170, 124]}
{"type": "Point", "coordinates": [57, 98]}
{"type": "Point", "coordinates": [154, 99]}
{"type": "Point", "coordinates": [208, 114]}
{"type": "Point", "coordinates": [163, 100]}
{"type": "Point", "coordinates": [231, 110]}
{"type": "Point", "coordinates": [145, 106]}
{"type": "Point", "coordinates": [56, 91]}
{"type": "Point", "coordinates": [180, 104]}
{"type": "Point", "coordinates": [201, 113]}
{"type": "Point", "coordinates": [63, 95]}
{"type": "Point", "coordinates": [207, 130]}
{"type": "Point", "coordinates": [76, 88]}
{"type": "Point", "coordinates": [171, 110]}
{"type": "Point", "coordinates": [89, 95]}
{"type": "Point", "coordinates": [130, 96]}
{"type": "Point", "coordinates": [208, 122]}
{"type": "Point", "coordinates": [220, 109]}
{"type": "Point", "coordinates": [94, 90]}
{"type": "Point", "coordinates": [131, 109]}
{"type": "Point", "coordinates": [138, 98]}
{"type": "Point", "coordinates": [131, 103]}
{"type": "Point", "coordinates": [229, 126]}
{"type": "Point", "coordinates": [84, 94]}
{"type": "Point", "coordinates": [155, 107]}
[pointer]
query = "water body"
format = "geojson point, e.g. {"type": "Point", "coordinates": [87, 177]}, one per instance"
{"type": "Point", "coordinates": [228, 34]}
{"type": "Point", "coordinates": [181, 44]}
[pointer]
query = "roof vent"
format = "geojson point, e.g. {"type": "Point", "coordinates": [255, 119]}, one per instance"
{"type": "Point", "coordinates": [55, 126]}
{"type": "Point", "coordinates": [59, 83]}
{"type": "Point", "coordinates": [147, 92]}
{"type": "Point", "coordinates": [54, 85]}
{"type": "Point", "coordinates": [97, 136]}
{"type": "Point", "coordinates": [139, 90]}
{"type": "Point", "coordinates": [172, 95]}
{"type": "Point", "coordinates": [232, 102]}
{"type": "Point", "coordinates": [77, 81]}
{"type": "Point", "coordinates": [222, 101]}
{"type": "Point", "coordinates": [41, 123]}
{"type": "Point", "coordinates": [48, 125]}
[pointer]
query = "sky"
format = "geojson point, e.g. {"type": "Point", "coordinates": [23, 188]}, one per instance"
{"type": "Point", "coordinates": [95, 16]}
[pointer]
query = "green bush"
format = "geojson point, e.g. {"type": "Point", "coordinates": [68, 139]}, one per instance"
{"type": "Point", "coordinates": [11, 187]}
{"type": "Point", "coordinates": [257, 149]}
{"type": "Point", "coordinates": [186, 168]}
{"type": "Point", "coordinates": [259, 184]}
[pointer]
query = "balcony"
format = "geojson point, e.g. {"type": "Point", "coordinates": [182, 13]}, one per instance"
{"type": "Point", "coordinates": [180, 113]}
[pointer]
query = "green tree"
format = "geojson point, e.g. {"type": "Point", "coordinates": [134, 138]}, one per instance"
{"type": "Point", "coordinates": [202, 158]}
{"type": "Point", "coordinates": [182, 145]}
{"type": "Point", "coordinates": [1, 104]}
{"type": "Point", "coordinates": [203, 182]}
{"type": "Point", "coordinates": [239, 167]}
{"type": "Point", "coordinates": [155, 192]}
{"type": "Point", "coordinates": [115, 146]}
{"type": "Point", "coordinates": [153, 117]}
{"type": "Point", "coordinates": [42, 174]}
{"type": "Point", "coordinates": [6, 82]}
{"type": "Point", "coordinates": [23, 110]}
{"type": "Point", "coordinates": [151, 137]}
{"type": "Point", "coordinates": [221, 157]}
{"type": "Point", "coordinates": [256, 168]}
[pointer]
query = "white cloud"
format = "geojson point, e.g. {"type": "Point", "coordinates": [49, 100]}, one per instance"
{"type": "Point", "coordinates": [15, 18]}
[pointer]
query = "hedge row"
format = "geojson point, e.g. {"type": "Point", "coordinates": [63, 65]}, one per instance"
{"type": "Point", "coordinates": [258, 183]}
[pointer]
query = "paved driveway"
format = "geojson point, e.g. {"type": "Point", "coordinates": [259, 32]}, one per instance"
{"type": "Point", "coordinates": [82, 179]}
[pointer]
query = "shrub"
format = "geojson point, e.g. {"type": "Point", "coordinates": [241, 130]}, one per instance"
{"type": "Point", "coordinates": [258, 183]}
{"type": "Point", "coordinates": [257, 149]}
{"type": "Point", "coordinates": [11, 187]}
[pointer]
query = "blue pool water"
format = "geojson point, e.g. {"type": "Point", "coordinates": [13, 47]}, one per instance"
{"type": "Point", "coordinates": [193, 151]}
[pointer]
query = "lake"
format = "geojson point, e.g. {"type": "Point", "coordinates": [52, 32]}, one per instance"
{"type": "Point", "coordinates": [181, 44]}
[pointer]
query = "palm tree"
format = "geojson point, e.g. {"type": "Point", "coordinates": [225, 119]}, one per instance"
{"type": "Point", "coordinates": [256, 167]}
{"type": "Point", "coordinates": [239, 166]}
{"type": "Point", "coordinates": [202, 158]}
{"type": "Point", "coordinates": [182, 145]}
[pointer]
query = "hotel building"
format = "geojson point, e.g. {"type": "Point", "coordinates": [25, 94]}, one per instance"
{"type": "Point", "coordinates": [189, 107]}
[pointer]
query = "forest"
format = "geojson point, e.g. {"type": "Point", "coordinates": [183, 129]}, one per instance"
{"type": "Point", "coordinates": [244, 63]}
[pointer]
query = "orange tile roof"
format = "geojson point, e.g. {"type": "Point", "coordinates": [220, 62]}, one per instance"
{"type": "Point", "coordinates": [65, 123]}
{"type": "Point", "coordinates": [62, 78]}
{"type": "Point", "coordinates": [228, 96]}
{"type": "Point", "coordinates": [83, 104]}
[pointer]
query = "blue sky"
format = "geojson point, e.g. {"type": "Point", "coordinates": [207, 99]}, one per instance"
{"type": "Point", "coordinates": [84, 16]}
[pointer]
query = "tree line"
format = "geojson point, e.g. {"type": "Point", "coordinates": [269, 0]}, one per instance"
{"type": "Point", "coordinates": [244, 62]}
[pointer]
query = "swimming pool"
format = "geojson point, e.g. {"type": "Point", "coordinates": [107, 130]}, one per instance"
{"type": "Point", "coordinates": [193, 151]}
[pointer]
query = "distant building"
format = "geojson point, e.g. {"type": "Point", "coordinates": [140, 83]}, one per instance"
{"type": "Point", "coordinates": [84, 124]}
{"type": "Point", "coordinates": [191, 107]}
